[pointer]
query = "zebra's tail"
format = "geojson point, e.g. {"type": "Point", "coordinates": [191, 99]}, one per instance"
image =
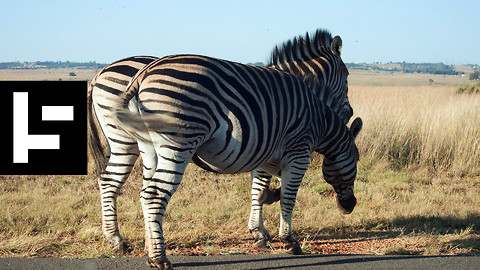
{"type": "Point", "coordinates": [94, 143]}
{"type": "Point", "coordinates": [133, 123]}
{"type": "Point", "coordinates": [138, 126]}
{"type": "Point", "coordinates": [128, 118]}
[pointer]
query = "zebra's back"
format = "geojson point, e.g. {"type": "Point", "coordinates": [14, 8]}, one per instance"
{"type": "Point", "coordinates": [240, 117]}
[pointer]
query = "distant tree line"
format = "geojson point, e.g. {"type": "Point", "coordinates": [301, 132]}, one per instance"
{"type": "Point", "coordinates": [365, 66]}
{"type": "Point", "coordinates": [429, 68]}
{"type": "Point", "coordinates": [51, 64]}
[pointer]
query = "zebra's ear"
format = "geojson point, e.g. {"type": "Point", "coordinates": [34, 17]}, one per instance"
{"type": "Point", "coordinates": [336, 45]}
{"type": "Point", "coordinates": [356, 126]}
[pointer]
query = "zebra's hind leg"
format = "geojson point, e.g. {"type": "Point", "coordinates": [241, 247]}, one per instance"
{"type": "Point", "coordinates": [111, 180]}
{"type": "Point", "coordinates": [260, 183]}
{"type": "Point", "coordinates": [149, 160]}
{"type": "Point", "coordinates": [157, 192]}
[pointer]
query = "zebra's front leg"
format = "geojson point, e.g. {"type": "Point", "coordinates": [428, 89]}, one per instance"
{"type": "Point", "coordinates": [292, 176]}
{"type": "Point", "coordinates": [110, 183]}
{"type": "Point", "coordinates": [260, 183]}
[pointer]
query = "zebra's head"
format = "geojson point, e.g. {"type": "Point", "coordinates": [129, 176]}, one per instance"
{"type": "Point", "coordinates": [341, 170]}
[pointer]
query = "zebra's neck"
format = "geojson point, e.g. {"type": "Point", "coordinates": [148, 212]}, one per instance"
{"type": "Point", "coordinates": [333, 135]}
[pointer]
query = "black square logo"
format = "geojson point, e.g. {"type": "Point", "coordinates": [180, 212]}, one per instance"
{"type": "Point", "coordinates": [45, 130]}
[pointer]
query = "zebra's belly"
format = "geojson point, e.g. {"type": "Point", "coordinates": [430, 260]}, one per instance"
{"type": "Point", "coordinates": [231, 150]}
{"type": "Point", "coordinates": [221, 163]}
{"type": "Point", "coordinates": [272, 168]}
{"type": "Point", "coordinates": [217, 158]}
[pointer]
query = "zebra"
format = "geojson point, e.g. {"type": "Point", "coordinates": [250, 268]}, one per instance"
{"type": "Point", "coordinates": [316, 53]}
{"type": "Point", "coordinates": [123, 150]}
{"type": "Point", "coordinates": [316, 57]}
{"type": "Point", "coordinates": [231, 118]}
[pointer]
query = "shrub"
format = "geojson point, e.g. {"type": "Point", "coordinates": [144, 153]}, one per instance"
{"type": "Point", "coordinates": [474, 76]}
{"type": "Point", "coordinates": [469, 89]}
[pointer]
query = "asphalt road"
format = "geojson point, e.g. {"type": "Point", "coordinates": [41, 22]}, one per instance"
{"type": "Point", "coordinates": [282, 261]}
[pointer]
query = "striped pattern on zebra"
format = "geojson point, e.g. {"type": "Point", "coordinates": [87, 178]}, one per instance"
{"type": "Point", "coordinates": [232, 118]}
{"type": "Point", "coordinates": [109, 83]}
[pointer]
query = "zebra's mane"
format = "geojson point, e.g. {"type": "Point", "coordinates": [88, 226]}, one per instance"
{"type": "Point", "coordinates": [300, 47]}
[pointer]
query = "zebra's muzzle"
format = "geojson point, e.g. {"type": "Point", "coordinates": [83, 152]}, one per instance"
{"type": "Point", "coordinates": [347, 205]}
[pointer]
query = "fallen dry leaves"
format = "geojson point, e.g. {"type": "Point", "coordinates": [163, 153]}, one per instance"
{"type": "Point", "coordinates": [357, 244]}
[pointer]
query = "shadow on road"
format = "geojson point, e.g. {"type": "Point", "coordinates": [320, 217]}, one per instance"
{"type": "Point", "coordinates": [289, 261]}
{"type": "Point", "coordinates": [265, 261]}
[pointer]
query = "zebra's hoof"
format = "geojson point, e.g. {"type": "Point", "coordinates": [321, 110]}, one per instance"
{"type": "Point", "coordinates": [291, 245]}
{"type": "Point", "coordinates": [162, 265]}
{"type": "Point", "coordinates": [346, 206]}
{"type": "Point", "coordinates": [294, 248]}
{"type": "Point", "coordinates": [262, 238]}
{"type": "Point", "coordinates": [118, 245]}
{"type": "Point", "coordinates": [262, 243]}
{"type": "Point", "coordinates": [123, 248]}
{"type": "Point", "coordinates": [120, 248]}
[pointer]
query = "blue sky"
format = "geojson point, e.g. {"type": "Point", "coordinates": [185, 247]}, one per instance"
{"type": "Point", "coordinates": [243, 31]}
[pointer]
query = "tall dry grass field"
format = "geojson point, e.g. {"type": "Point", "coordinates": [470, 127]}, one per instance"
{"type": "Point", "coordinates": [420, 127]}
{"type": "Point", "coordinates": [418, 190]}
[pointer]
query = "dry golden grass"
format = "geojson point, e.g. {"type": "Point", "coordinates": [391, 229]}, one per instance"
{"type": "Point", "coordinates": [418, 191]}
{"type": "Point", "coordinates": [385, 78]}
{"type": "Point", "coordinates": [398, 212]}
{"type": "Point", "coordinates": [428, 127]}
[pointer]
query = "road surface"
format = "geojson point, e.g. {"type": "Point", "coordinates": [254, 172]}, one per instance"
{"type": "Point", "coordinates": [280, 261]}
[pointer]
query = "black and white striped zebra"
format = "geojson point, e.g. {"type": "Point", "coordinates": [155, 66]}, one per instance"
{"type": "Point", "coordinates": [232, 118]}
{"type": "Point", "coordinates": [111, 82]}
{"type": "Point", "coordinates": [316, 53]}
{"type": "Point", "coordinates": [318, 58]}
